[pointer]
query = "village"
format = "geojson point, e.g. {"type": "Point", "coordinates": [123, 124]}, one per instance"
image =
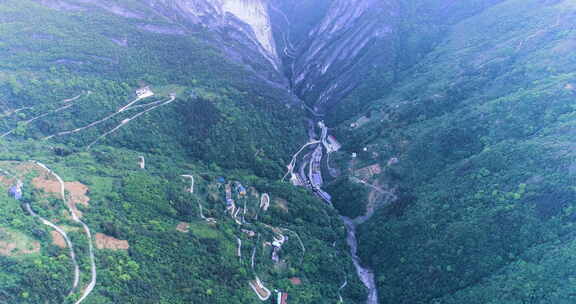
{"type": "Point", "coordinates": [236, 197]}
{"type": "Point", "coordinates": [243, 205]}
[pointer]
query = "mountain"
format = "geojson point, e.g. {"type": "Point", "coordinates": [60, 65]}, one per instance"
{"type": "Point", "coordinates": [127, 103]}
{"type": "Point", "coordinates": [428, 147]}
{"type": "Point", "coordinates": [474, 135]}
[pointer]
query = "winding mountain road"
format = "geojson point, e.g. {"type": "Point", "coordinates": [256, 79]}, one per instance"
{"type": "Point", "coordinates": [299, 241]}
{"type": "Point", "coordinates": [68, 243]}
{"type": "Point", "coordinates": [127, 120]}
{"type": "Point", "coordinates": [32, 107]}
{"type": "Point", "coordinates": [75, 97]}
{"type": "Point", "coordinates": [292, 163]}
{"type": "Point", "coordinates": [123, 109]}
{"type": "Point", "coordinates": [340, 300]}
{"type": "Point", "coordinates": [208, 219]}
{"type": "Point", "coordinates": [191, 177]}
{"type": "Point", "coordinates": [90, 287]}
{"type": "Point", "coordinates": [239, 253]}
{"type": "Point", "coordinates": [60, 231]}
{"type": "Point", "coordinates": [69, 104]}
{"type": "Point", "coordinates": [257, 279]}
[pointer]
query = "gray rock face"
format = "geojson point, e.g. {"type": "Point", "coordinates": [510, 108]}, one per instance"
{"type": "Point", "coordinates": [321, 62]}
{"type": "Point", "coordinates": [337, 49]}
{"type": "Point", "coordinates": [241, 28]}
{"type": "Point", "coordinates": [249, 18]}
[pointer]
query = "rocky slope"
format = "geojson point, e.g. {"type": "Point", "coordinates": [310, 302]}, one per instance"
{"type": "Point", "coordinates": [324, 64]}
{"type": "Point", "coordinates": [479, 130]}
{"type": "Point", "coordinates": [463, 108]}
{"type": "Point", "coordinates": [240, 28]}
{"type": "Point", "coordinates": [126, 97]}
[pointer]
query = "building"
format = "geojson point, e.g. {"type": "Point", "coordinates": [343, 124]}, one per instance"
{"type": "Point", "coordinates": [16, 190]}
{"type": "Point", "coordinates": [250, 233]}
{"type": "Point", "coordinates": [241, 190]}
{"type": "Point", "coordinates": [282, 298]}
{"type": "Point", "coordinates": [142, 162]}
{"type": "Point", "coordinates": [144, 92]}
{"type": "Point", "coordinates": [275, 256]}
{"type": "Point", "coordinates": [276, 247]}
{"type": "Point", "coordinates": [230, 203]}
{"type": "Point", "coordinates": [228, 191]}
{"type": "Point", "coordinates": [334, 143]}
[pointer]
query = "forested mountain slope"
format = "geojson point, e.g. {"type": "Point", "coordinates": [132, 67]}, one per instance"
{"type": "Point", "coordinates": [125, 104]}
{"type": "Point", "coordinates": [477, 135]}
{"type": "Point", "coordinates": [51, 55]}
{"type": "Point", "coordinates": [171, 124]}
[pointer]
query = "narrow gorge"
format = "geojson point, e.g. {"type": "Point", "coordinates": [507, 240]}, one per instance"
{"type": "Point", "coordinates": [287, 151]}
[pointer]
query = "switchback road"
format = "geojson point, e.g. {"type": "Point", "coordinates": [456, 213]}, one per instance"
{"type": "Point", "coordinates": [90, 287]}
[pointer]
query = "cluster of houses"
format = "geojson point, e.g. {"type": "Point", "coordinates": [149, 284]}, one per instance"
{"type": "Point", "coordinates": [230, 205]}
{"type": "Point", "coordinates": [241, 190]}
{"type": "Point", "coordinates": [144, 92]}
{"type": "Point", "coordinates": [238, 189]}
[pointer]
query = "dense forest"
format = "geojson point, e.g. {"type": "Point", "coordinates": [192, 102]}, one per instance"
{"type": "Point", "coordinates": [480, 121]}
{"type": "Point", "coordinates": [160, 144]}
{"type": "Point", "coordinates": [68, 84]}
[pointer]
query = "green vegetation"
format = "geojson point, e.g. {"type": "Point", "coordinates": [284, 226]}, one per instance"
{"type": "Point", "coordinates": [223, 122]}
{"type": "Point", "coordinates": [162, 264]}
{"type": "Point", "coordinates": [481, 126]}
{"type": "Point", "coordinates": [220, 115]}
{"type": "Point", "coordinates": [348, 198]}
{"type": "Point", "coordinates": [467, 112]}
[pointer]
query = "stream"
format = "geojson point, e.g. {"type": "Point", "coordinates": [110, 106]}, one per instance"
{"type": "Point", "coordinates": [366, 275]}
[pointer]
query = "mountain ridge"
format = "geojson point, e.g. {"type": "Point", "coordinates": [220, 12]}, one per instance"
{"type": "Point", "coordinates": [461, 111]}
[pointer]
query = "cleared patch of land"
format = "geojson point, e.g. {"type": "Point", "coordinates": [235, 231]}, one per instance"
{"type": "Point", "coordinates": [13, 243]}
{"type": "Point", "coordinates": [104, 241]}
{"type": "Point", "coordinates": [57, 239]}
{"type": "Point", "coordinates": [77, 191]}
{"type": "Point", "coordinates": [77, 195]}
{"type": "Point", "coordinates": [282, 204]}
{"type": "Point", "coordinates": [183, 227]}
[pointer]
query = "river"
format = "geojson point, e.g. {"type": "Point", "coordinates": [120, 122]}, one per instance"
{"type": "Point", "coordinates": [366, 275]}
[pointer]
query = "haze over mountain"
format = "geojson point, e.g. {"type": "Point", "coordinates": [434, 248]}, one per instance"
{"type": "Point", "coordinates": [287, 151]}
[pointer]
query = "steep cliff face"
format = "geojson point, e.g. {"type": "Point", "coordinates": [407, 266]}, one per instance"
{"type": "Point", "coordinates": [318, 47]}
{"type": "Point", "coordinates": [69, 77]}
{"type": "Point", "coordinates": [240, 28]}
{"type": "Point", "coordinates": [249, 18]}
{"type": "Point", "coordinates": [255, 14]}
{"type": "Point", "coordinates": [338, 49]}
{"type": "Point", "coordinates": [322, 60]}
